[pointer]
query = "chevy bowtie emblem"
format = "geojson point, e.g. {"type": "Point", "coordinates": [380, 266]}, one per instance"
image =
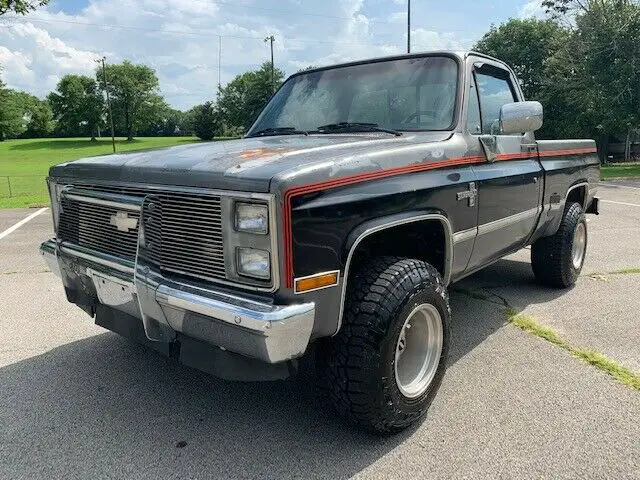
{"type": "Point", "coordinates": [123, 222]}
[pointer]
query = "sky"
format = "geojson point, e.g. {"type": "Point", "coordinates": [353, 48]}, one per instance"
{"type": "Point", "coordinates": [181, 39]}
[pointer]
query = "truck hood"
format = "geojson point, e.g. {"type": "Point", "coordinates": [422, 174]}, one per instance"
{"type": "Point", "coordinates": [246, 164]}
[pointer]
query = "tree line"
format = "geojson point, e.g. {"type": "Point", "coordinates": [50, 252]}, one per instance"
{"type": "Point", "coordinates": [582, 63]}
{"type": "Point", "coordinates": [78, 108]}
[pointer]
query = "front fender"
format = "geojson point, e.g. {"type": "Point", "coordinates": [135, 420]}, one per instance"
{"type": "Point", "coordinates": [362, 231]}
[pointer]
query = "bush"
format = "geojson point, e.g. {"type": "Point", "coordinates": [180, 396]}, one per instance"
{"type": "Point", "coordinates": [206, 121]}
{"type": "Point", "coordinates": [233, 132]}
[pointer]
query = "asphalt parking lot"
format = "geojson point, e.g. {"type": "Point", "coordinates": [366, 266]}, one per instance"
{"type": "Point", "coordinates": [77, 401]}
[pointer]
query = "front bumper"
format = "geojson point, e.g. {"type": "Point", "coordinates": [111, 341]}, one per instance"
{"type": "Point", "coordinates": [271, 333]}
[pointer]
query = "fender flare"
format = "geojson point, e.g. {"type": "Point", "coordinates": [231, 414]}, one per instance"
{"type": "Point", "coordinates": [370, 227]}
{"type": "Point", "coordinates": [558, 210]}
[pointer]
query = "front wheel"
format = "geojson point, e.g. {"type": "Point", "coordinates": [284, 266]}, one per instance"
{"type": "Point", "coordinates": [384, 367]}
{"type": "Point", "coordinates": [557, 260]}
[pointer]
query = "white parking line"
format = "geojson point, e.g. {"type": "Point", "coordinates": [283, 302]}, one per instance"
{"type": "Point", "coordinates": [622, 203]}
{"type": "Point", "coordinates": [21, 222]}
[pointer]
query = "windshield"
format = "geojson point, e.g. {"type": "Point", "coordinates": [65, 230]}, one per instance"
{"type": "Point", "coordinates": [409, 94]}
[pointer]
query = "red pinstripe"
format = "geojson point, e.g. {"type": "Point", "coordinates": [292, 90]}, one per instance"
{"type": "Point", "coordinates": [574, 151]}
{"type": "Point", "coordinates": [389, 172]}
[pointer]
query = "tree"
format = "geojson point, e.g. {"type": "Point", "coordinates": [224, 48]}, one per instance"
{"type": "Point", "coordinates": [206, 121]}
{"type": "Point", "coordinates": [597, 73]}
{"type": "Point", "coordinates": [5, 114]}
{"type": "Point", "coordinates": [150, 119]}
{"type": "Point", "coordinates": [166, 122]}
{"type": "Point", "coordinates": [241, 100]}
{"type": "Point", "coordinates": [40, 122]}
{"type": "Point", "coordinates": [564, 8]}
{"type": "Point", "coordinates": [20, 7]}
{"type": "Point", "coordinates": [17, 106]}
{"type": "Point", "coordinates": [77, 106]}
{"type": "Point", "coordinates": [23, 115]}
{"type": "Point", "coordinates": [134, 95]}
{"type": "Point", "coordinates": [526, 45]}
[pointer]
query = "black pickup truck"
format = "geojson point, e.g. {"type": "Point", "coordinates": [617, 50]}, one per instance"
{"type": "Point", "coordinates": [332, 230]}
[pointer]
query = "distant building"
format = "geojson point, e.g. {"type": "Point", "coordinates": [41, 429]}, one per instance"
{"type": "Point", "coordinates": [625, 147]}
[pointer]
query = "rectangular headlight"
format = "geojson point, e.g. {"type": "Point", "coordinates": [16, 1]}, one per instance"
{"type": "Point", "coordinates": [54, 195]}
{"type": "Point", "coordinates": [252, 262]}
{"type": "Point", "coordinates": [252, 218]}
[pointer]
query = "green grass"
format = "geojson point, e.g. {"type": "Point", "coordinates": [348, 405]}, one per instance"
{"type": "Point", "coordinates": [620, 170]}
{"type": "Point", "coordinates": [27, 162]}
{"type": "Point", "coordinates": [623, 271]}
{"type": "Point", "coordinates": [592, 357]}
{"type": "Point", "coordinates": [531, 325]}
{"type": "Point", "coordinates": [613, 368]}
{"type": "Point", "coordinates": [626, 271]}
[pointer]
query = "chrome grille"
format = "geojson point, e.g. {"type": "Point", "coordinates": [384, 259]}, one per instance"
{"type": "Point", "coordinates": [183, 234]}
{"type": "Point", "coordinates": [183, 231]}
{"type": "Point", "coordinates": [89, 225]}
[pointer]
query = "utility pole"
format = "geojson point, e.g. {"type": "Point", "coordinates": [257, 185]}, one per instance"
{"type": "Point", "coordinates": [106, 89]}
{"type": "Point", "coordinates": [408, 26]}
{"type": "Point", "coordinates": [219, 63]}
{"type": "Point", "coordinates": [271, 39]}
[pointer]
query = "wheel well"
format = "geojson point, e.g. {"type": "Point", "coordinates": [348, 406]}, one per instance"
{"type": "Point", "coordinates": [578, 195]}
{"type": "Point", "coordinates": [425, 240]}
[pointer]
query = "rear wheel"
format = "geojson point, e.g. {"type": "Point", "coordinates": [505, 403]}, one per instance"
{"type": "Point", "coordinates": [384, 367]}
{"type": "Point", "coordinates": [557, 260]}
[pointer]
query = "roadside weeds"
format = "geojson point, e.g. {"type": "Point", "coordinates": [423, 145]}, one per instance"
{"type": "Point", "coordinates": [602, 276]}
{"type": "Point", "coordinates": [592, 357]}
{"type": "Point", "coordinates": [530, 325]}
{"type": "Point", "coordinates": [16, 272]}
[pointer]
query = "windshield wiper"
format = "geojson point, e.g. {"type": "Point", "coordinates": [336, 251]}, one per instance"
{"type": "Point", "coordinates": [278, 131]}
{"type": "Point", "coordinates": [356, 127]}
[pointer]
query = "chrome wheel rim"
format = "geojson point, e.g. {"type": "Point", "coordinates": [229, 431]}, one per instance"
{"type": "Point", "coordinates": [579, 245]}
{"type": "Point", "coordinates": [418, 350]}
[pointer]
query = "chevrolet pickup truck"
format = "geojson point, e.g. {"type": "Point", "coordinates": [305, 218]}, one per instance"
{"type": "Point", "coordinates": [332, 229]}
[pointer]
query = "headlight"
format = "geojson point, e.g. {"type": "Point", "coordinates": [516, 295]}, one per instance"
{"type": "Point", "coordinates": [55, 190]}
{"type": "Point", "coordinates": [253, 263]}
{"type": "Point", "coordinates": [251, 218]}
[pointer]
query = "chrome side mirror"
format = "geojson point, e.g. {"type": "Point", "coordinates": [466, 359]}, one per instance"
{"type": "Point", "coordinates": [520, 117]}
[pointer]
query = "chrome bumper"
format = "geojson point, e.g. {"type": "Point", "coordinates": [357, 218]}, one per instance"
{"type": "Point", "coordinates": [271, 333]}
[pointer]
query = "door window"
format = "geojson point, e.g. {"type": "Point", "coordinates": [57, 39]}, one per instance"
{"type": "Point", "coordinates": [494, 93]}
{"type": "Point", "coordinates": [474, 124]}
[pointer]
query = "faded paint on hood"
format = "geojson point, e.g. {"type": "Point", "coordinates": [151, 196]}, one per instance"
{"type": "Point", "coordinates": [247, 164]}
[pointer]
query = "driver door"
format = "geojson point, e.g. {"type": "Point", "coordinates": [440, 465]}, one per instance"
{"type": "Point", "coordinates": [509, 181]}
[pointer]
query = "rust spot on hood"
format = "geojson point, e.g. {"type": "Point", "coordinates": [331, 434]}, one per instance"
{"type": "Point", "coordinates": [265, 152]}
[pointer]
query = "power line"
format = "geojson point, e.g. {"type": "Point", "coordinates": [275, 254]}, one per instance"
{"type": "Point", "coordinates": [183, 32]}
{"type": "Point", "coordinates": [297, 12]}
{"type": "Point", "coordinates": [191, 93]}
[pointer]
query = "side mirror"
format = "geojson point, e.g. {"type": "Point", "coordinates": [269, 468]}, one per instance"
{"type": "Point", "coordinates": [520, 117]}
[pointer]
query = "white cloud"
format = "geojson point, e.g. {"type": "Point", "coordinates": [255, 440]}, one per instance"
{"type": "Point", "coordinates": [180, 39]}
{"type": "Point", "coordinates": [34, 60]}
{"type": "Point", "coordinates": [398, 17]}
{"type": "Point", "coordinates": [426, 40]}
{"type": "Point", "coordinates": [532, 9]}
{"type": "Point", "coordinates": [16, 68]}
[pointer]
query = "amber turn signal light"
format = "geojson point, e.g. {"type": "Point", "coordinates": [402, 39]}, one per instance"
{"type": "Point", "coordinates": [316, 282]}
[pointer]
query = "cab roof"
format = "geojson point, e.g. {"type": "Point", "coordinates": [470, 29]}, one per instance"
{"type": "Point", "coordinates": [457, 54]}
